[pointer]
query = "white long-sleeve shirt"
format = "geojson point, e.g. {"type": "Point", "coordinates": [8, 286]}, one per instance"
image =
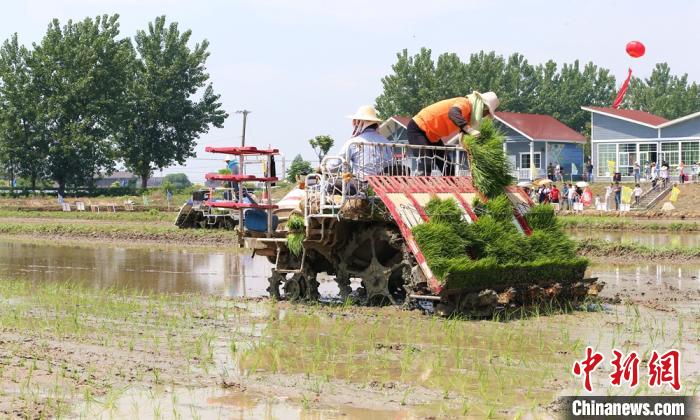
{"type": "Point", "coordinates": [368, 154]}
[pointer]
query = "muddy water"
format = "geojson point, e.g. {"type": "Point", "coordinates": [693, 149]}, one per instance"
{"type": "Point", "coordinates": [162, 271]}
{"type": "Point", "coordinates": [649, 280]}
{"type": "Point", "coordinates": [219, 404]}
{"type": "Point", "coordinates": [231, 274]}
{"type": "Point", "coordinates": [645, 238]}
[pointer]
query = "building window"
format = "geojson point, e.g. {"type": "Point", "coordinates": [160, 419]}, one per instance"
{"type": "Point", "coordinates": [627, 156]}
{"type": "Point", "coordinates": [669, 154]}
{"type": "Point", "coordinates": [606, 159]}
{"type": "Point", "coordinates": [690, 152]}
{"type": "Point", "coordinates": [525, 160]}
{"type": "Point", "coordinates": [647, 154]}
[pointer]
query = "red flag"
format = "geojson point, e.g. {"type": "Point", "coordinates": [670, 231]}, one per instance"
{"type": "Point", "coordinates": [623, 89]}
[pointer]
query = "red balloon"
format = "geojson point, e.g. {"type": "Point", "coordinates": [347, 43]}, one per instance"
{"type": "Point", "coordinates": [635, 49]}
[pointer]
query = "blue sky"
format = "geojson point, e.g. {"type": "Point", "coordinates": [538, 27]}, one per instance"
{"type": "Point", "coordinates": [301, 66]}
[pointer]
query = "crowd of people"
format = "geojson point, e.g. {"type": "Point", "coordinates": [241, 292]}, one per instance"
{"type": "Point", "coordinates": [578, 196]}
{"type": "Point", "coordinates": [569, 197]}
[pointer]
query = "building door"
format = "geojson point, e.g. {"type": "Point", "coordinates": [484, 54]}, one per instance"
{"type": "Point", "coordinates": [527, 168]}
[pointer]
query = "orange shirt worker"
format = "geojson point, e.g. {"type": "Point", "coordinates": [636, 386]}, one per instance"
{"type": "Point", "coordinates": [439, 122]}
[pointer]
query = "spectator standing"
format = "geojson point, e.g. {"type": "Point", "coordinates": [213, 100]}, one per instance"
{"type": "Point", "coordinates": [587, 196]}
{"type": "Point", "coordinates": [608, 196]}
{"type": "Point", "coordinates": [647, 170]}
{"type": "Point", "coordinates": [540, 194]}
{"type": "Point", "coordinates": [617, 190]}
{"type": "Point", "coordinates": [550, 171]}
{"type": "Point", "coordinates": [572, 196]}
{"type": "Point", "coordinates": [558, 173]}
{"type": "Point", "coordinates": [554, 196]}
{"type": "Point", "coordinates": [637, 172]}
{"type": "Point", "coordinates": [681, 172]}
{"type": "Point", "coordinates": [664, 175]}
{"type": "Point", "coordinates": [637, 194]}
{"type": "Point", "coordinates": [589, 171]}
{"type": "Point", "coordinates": [565, 197]}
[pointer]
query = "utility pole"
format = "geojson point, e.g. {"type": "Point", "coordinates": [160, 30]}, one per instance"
{"type": "Point", "coordinates": [245, 113]}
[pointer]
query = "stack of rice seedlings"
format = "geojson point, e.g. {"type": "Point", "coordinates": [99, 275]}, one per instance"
{"type": "Point", "coordinates": [488, 164]}
{"type": "Point", "coordinates": [491, 251]}
{"type": "Point", "coordinates": [444, 211]}
{"type": "Point", "coordinates": [542, 217]}
{"type": "Point", "coordinates": [295, 234]}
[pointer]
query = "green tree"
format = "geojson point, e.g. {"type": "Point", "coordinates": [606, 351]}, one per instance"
{"type": "Point", "coordinates": [485, 71]}
{"type": "Point", "coordinates": [321, 145]}
{"type": "Point", "coordinates": [543, 89]}
{"type": "Point", "coordinates": [451, 78]}
{"type": "Point", "coordinates": [410, 88]}
{"type": "Point", "coordinates": [80, 71]}
{"type": "Point", "coordinates": [663, 94]}
{"type": "Point", "coordinates": [299, 166]}
{"type": "Point", "coordinates": [518, 84]}
{"type": "Point", "coordinates": [23, 147]}
{"type": "Point", "coordinates": [561, 93]}
{"type": "Point", "coordinates": [178, 180]}
{"type": "Point", "coordinates": [167, 108]}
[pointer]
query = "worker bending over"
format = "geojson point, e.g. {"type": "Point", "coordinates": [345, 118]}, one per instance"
{"type": "Point", "coordinates": [437, 124]}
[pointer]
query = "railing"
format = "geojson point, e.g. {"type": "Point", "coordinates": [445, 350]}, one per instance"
{"type": "Point", "coordinates": [344, 177]}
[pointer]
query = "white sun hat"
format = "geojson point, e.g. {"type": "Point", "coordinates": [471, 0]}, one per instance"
{"type": "Point", "coordinates": [490, 100]}
{"type": "Point", "coordinates": [365, 113]}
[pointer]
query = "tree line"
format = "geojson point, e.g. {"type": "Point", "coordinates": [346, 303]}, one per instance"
{"type": "Point", "coordinates": [549, 88]}
{"type": "Point", "coordinates": [84, 98]}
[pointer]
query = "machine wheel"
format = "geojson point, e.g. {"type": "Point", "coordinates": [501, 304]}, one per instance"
{"type": "Point", "coordinates": [375, 255]}
{"type": "Point", "coordinates": [342, 277]}
{"type": "Point", "coordinates": [295, 288]}
{"type": "Point", "coordinates": [300, 286]}
{"type": "Point", "coordinates": [275, 280]}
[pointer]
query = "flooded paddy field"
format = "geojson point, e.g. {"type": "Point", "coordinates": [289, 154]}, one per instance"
{"type": "Point", "coordinates": [105, 331]}
{"type": "Point", "coordinates": [649, 239]}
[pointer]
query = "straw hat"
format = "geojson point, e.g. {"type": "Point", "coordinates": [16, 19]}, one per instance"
{"type": "Point", "coordinates": [490, 100]}
{"type": "Point", "coordinates": [365, 113]}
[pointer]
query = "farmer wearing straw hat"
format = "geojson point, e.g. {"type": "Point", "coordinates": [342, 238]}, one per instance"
{"type": "Point", "coordinates": [441, 121]}
{"type": "Point", "coordinates": [372, 158]}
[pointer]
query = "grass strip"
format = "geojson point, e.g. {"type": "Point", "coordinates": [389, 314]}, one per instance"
{"type": "Point", "coordinates": [114, 231]}
{"type": "Point", "coordinates": [146, 216]}
{"type": "Point", "coordinates": [615, 223]}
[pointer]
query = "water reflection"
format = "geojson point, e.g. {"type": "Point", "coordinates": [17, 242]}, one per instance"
{"type": "Point", "coordinates": [642, 275]}
{"type": "Point", "coordinates": [230, 274]}
{"type": "Point", "coordinates": [164, 271]}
